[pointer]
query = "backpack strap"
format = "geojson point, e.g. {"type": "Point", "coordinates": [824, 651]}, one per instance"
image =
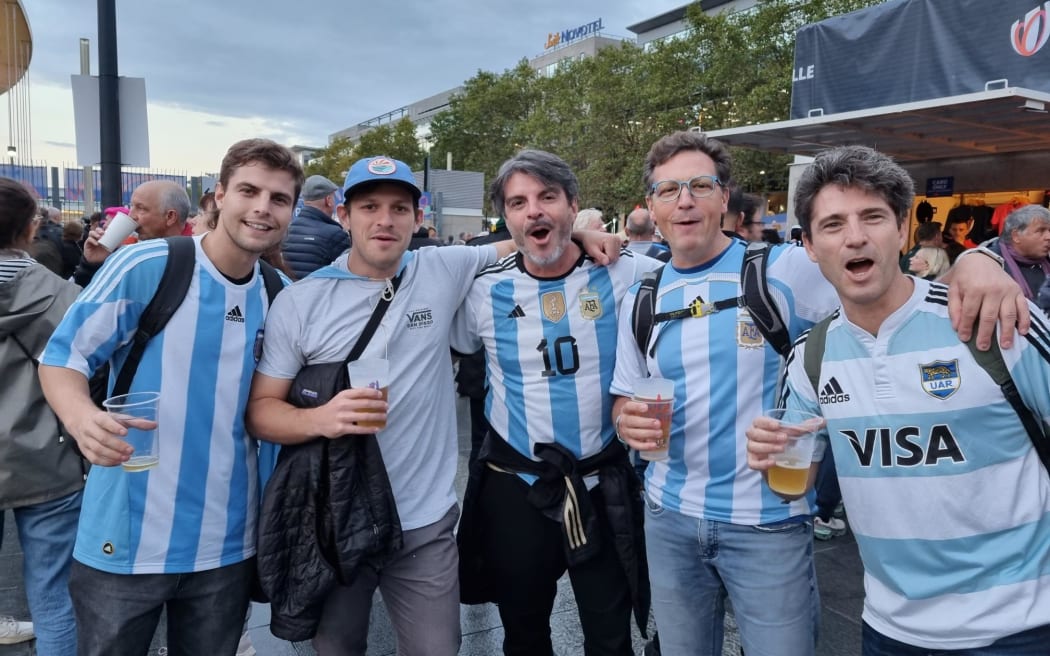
{"type": "Point", "coordinates": [816, 338]}
{"type": "Point", "coordinates": [271, 279]}
{"type": "Point", "coordinates": [643, 314]}
{"type": "Point", "coordinates": [758, 301]}
{"type": "Point", "coordinates": [174, 283]}
{"type": "Point", "coordinates": [992, 362]}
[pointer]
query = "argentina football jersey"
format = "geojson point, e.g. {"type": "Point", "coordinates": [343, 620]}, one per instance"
{"type": "Point", "coordinates": [725, 376]}
{"type": "Point", "coordinates": [201, 363]}
{"type": "Point", "coordinates": [550, 349]}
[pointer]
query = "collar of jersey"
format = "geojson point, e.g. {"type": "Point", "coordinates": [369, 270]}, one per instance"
{"type": "Point", "coordinates": [333, 271]}
{"type": "Point", "coordinates": [706, 265]}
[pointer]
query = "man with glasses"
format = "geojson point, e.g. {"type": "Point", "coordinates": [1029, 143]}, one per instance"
{"type": "Point", "coordinates": [713, 529]}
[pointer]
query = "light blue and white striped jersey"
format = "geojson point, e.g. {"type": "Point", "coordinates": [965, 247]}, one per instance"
{"type": "Point", "coordinates": [197, 509]}
{"type": "Point", "coordinates": [725, 375]}
{"type": "Point", "coordinates": [550, 347]}
{"type": "Point", "coordinates": [947, 498]}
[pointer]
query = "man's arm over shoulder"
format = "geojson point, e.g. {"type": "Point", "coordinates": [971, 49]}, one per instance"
{"type": "Point", "coordinates": [800, 290]}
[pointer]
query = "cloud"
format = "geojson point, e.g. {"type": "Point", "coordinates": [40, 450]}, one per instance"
{"type": "Point", "coordinates": [308, 69]}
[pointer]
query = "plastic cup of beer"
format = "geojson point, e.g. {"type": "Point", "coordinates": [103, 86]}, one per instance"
{"type": "Point", "coordinates": [658, 396]}
{"type": "Point", "coordinates": [117, 230]}
{"type": "Point", "coordinates": [137, 412]}
{"type": "Point", "coordinates": [790, 471]}
{"type": "Point", "coordinates": [373, 373]}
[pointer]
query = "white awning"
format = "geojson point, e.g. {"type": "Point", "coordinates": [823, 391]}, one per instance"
{"type": "Point", "coordinates": [999, 121]}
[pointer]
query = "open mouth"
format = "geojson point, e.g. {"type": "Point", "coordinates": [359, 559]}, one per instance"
{"type": "Point", "coordinates": [860, 265]}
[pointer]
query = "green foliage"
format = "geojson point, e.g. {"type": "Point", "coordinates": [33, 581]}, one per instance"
{"type": "Point", "coordinates": [396, 140]}
{"type": "Point", "coordinates": [601, 114]}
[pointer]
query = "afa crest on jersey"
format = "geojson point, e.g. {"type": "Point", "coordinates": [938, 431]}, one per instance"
{"type": "Point", "coordinates": [940, 378]}
{"type": "Point", "coordinates": [553, 306]}
{"type": "Point", "coordinates": [590, 305]}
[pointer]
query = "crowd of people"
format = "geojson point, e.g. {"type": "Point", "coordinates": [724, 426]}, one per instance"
{"type": "Point", "coordinates": [278, 474]}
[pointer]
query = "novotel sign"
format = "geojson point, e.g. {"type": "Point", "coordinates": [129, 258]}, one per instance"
{"type": "Point", "coordinates": [567, 36]}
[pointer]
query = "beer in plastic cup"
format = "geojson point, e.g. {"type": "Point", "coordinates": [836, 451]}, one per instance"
{"type": "Point", "coordinates": [137, 412]}
{"type": "Point", "coordinates": [117, 230]}
{"type": "Point", "coordinates": [374, 373]}
{"type": "Point", "coordinates": [790, 473]}
{"type": "Point", "coordinates": [658, 395]}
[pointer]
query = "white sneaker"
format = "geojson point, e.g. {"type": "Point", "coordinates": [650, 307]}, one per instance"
{"type": "Point", "coordinates": [245, 647]}
{"type": "Point", "coordinates": [13, 632]}
{"type": "Point", "coordinates": [826, 530]}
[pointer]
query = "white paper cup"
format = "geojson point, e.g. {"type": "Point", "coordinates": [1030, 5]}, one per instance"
{"type": "Point", "coordinates": [117, 230]}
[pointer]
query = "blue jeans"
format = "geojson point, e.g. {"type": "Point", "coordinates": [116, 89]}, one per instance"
{"type": "Point", "coordinates": [766, 571]}
{"type": "Point", "coordinates": [117, 614]}
{"type": "Point", "coordinates": [1032, 642]}
{"type": "Point", "coordinates": [47, 532]}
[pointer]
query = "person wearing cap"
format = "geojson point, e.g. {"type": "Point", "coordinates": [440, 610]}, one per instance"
{"type": "Point", "coordinates": [315, 239]}
{"type": "Point", "coordinates": [159, 207]}
{"type": "Point", "coordinates": [318, 320]}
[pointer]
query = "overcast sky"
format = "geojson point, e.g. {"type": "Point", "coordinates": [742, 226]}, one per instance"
{"type": "Point", "coordinates": [218, 71]}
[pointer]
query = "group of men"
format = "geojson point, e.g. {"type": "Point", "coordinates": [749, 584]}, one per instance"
{"type": "Point", "coordinates": [551, 490]}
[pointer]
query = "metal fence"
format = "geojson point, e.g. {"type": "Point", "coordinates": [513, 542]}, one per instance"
{"type": "Point", "coordinates": [62, 186]}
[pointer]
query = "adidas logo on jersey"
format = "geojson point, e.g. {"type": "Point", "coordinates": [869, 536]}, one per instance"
{"type": "Point", "coordinates": [235, 315]}
{"type": "Point", "coordinates": [516, 313]}
{"type": "Point", "coordinates": [832, 393]}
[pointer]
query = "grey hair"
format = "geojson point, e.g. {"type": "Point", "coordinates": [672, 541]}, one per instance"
{"type": "Point", "coordinates": [546, 167]}
{"type": "Point", "coordinates": [173, 197]}
{"type": "Point", "coordinates": [859, 167]}
{"type": "Point", "coordinates": [667, 147]}
{"type": "Point", "coordinates": [1021, 218]}
{"type": "Point", "coordinates": [584, 217]}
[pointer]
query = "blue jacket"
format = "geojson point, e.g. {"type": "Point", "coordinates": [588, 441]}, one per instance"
{"type": "Point", "coordinates": [314, 240]}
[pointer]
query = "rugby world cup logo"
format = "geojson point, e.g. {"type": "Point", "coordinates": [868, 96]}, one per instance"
{"type": "Point", "coordinates": [1030, 34]}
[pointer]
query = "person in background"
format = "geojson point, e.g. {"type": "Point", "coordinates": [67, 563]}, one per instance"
{"type": "Point", "coordinates": [315, 238]}
{"type": "Point", "coordinates": [927, 234]}
{"type": "Point", "coordinates": [741, 215]}
{"type": "Point", "coordinates": [159, 207]}
{"type": "Point", "coordinates": [72, 233]}
{"type": "Point", "coordinates": [641, 233]}
{"type": "Point", "coordinates": [589, 219]}
{"type": "Point", "coordinates": [955, 236]}
{"type": "Point", "coordinates": [1025, 247]}
{"type": "Point", "coordinates": [41, 476]}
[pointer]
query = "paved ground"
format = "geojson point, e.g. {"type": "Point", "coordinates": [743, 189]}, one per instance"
{"type": "Point", "coordinates": [838, 570]}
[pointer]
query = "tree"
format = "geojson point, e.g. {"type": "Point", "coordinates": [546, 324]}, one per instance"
{"type": "Point", "coordinates": [332, 161]}
{"type": "Point", "coordinates": [747, 59]}
{"type": "Point", "coordinates": [398, 141]}
{"type": "Point", "coordinates": [484, 125]}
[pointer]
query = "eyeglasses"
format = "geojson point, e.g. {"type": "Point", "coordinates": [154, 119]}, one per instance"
{"type": "Point", "coordinates": [701, 186]}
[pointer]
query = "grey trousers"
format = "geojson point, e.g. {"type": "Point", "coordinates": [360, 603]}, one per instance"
{"type": "Point", "coordinates": [420, 588]}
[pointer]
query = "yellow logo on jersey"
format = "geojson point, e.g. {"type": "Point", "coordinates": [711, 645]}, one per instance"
{"type": "Point", "coordinates": [590, 305]}
{"type": "Point", "coordinates": [748, 335]}
{"type": "Point", "coordinates": [553, 304]}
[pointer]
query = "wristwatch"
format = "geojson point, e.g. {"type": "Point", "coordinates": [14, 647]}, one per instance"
{"type": "Point", "coordinates": [984, 251]}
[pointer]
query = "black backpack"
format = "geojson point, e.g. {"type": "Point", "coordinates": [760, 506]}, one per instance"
{"type": "Point", "coordinates": [755, 298]}
{"type": "Point", "coordinates": [174, 283]}
{"type": "Point", "coordinates": [991, 361]}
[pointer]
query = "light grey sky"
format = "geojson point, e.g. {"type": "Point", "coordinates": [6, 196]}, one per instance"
{"type": "Point", "coordinates": [220, 70]}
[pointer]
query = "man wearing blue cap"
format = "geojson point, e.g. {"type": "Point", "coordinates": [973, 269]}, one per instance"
{"type": "Point", "coordinates": [318, 320]}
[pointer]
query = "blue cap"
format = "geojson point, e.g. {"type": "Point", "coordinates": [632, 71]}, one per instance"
{"type": "Point", "coordinates": [380, 169]}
